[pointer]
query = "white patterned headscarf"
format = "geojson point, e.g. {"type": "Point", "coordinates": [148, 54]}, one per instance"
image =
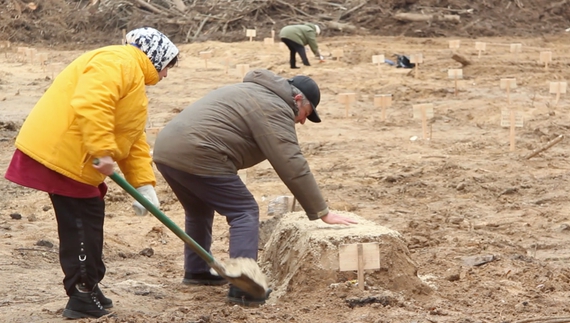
{"type": "Point", "coordinates": [159, 49]}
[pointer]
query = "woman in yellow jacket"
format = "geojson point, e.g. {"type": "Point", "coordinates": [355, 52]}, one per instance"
{"type": "Point", "coordinates": [96, 108]}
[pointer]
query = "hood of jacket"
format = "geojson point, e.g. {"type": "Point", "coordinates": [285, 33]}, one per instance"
{"type": "Point", "coordinates": [313, 27]}
{"type": "Point", "coordinates": [275, 83]}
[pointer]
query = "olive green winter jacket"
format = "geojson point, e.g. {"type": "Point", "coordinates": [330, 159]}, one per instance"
{"type": "Point", "coordinates": [238, 126]}
{"type": "Point", "coordinates": [302, 34]}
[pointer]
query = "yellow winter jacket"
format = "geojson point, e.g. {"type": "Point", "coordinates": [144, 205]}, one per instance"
{"type": "Point", "coordinates": [97, 106]}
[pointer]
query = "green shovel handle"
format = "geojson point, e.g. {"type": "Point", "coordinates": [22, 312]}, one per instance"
{"type": "Point", "coordinates": [162, 217]}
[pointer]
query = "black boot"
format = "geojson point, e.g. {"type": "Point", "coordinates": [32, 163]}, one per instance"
{"type": "Point", "coordinates": [84, 305]}
{"type": "Point", "coordinates": [237, 296]}
{"type": "Point", "coordinates": [203, 279]}
{"type": "Point", "coordinates": [106, 302]}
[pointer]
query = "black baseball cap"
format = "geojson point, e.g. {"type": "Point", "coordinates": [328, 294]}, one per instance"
{"type": "Point", "coordinates": [311, 91]}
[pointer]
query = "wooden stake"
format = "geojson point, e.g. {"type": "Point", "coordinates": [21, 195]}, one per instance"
{"type": "Point", "coordinates": [545, 57]}
{"type": "Point", "coordinates": [359, 257]}
{"type": "Point", "coordinates": [5, 44]}
{"type": "Point", "coordinates": [378, 60]}
{"type": "Point", "coordinates": [227, 62]}
{"type": "Point", "coordinates": [508, 84]}
{"type": "Point", "coordinates": [250, 33]}
{"type": "Point", "coordinates": [42, 58]}
{"type": "Point", "coordinates": [512, 130]}
{"type": "Point", "coordinates": [383, 101]}
{"type": "Point", "coordinates": [455, 74]}
{"type": "Point", "coordinates": [512, 119]}
{"type": "Point", "coordinates": [360, 271]}
{"type": "Point", "coordinates": [416, 59]}
{"type": "Point", "coordinates": [124, 40]}
{"type": "Point", "coordinates": [423, 112]}
{"type": "Point", "coordinates": [480, 46]}
{"type": "Point", "coordinates": [22, 53]}
{"type": "Point", "coordinates": [558, 88]}
{"type": "Point", "coordinates": [205, 56]}
{"type": "Point", "coordinates": [347, 99]}
{"type": "Point", "coordinates": [454, 44]}
{"type": "Point", "coordinates": [516, 49]}
{"type": "Point", "coordinates": [242, 69]}
{"type": "Point", "coordinates": [31, 54]}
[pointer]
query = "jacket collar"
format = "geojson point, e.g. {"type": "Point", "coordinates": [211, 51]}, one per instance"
{"type": "Point", "coordinates": [150, 73]}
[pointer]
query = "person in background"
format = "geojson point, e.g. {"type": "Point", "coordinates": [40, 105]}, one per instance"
{"type": "Point", "coordinates": [200, 151]}
{"type": "Point", "coordinates": [296, 37]}
{"type": "Point", "coordinates": [96, 109]}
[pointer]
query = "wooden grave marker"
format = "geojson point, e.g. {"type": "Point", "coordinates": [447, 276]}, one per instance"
{"type": "Point", "coordinates": [359, 257]}
{"type": "Point", "coordinates": [206, 55]}
{"type": "Point", "coordinates": [508, 84]}
{"type": "Point", "coordinates": [512, 119]}
{"type": "Point", "coordinates": [242, 69]}
{"type": "Point", "coordinates": [338, 54]}
{"type": "Point", "coordinates": [454, 44]}
{"type": "Point", "coordinates": [378, 60]}
{"type": "Point", "coordinates": [21, 53]}
{"type": "Point", "coordinates": [227, 63]}
{"type": "Point", "coordinates": [42, 59]}
{"type": "Point", "coordinates": [423, 112]}
{"type": "Point", "coordinates": [4, 45]}
{"type": "Point", "coordinates": [347, 99]}
{"type": "Point", "coordinates": [480, 47]}
{"type": "Point", "coordinates": [455, 75]}
{"type": "Point", "coordinates": [558, 88]}
{"type": "Point", "coordinates": [31, 55]}
{"type": "Point", "coordinates": [545, 58]}
{"type": "Point", "coordinates": [383, 101]}
{"type": "Point", "coordinates": [516, 49]}
{"type": "Point", "coordinates": [416, 59]}
{"type": "Point", "coordinates": [270, 41]}
{"type": "Point", "coordinates": [251, 33]}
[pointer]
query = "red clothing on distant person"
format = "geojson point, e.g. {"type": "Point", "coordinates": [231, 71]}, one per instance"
{"type": "Point", "coordinates": [26, 171]}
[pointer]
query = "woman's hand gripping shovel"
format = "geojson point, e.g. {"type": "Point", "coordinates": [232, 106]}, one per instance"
{"type": "Point", "coordinates": [244, 273]}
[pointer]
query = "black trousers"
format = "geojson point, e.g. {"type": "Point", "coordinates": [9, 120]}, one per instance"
{"type": "Point", "coordinates": [80, 230]}
{"type": "Point", "coordinates": [295, 48]}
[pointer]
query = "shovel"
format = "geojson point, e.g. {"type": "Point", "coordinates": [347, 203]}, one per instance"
{"type": "Point", "coordinates": [249, 282]}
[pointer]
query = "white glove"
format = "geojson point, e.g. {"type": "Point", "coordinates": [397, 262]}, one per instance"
{"type": "Point", "coordinates": [148, 192]}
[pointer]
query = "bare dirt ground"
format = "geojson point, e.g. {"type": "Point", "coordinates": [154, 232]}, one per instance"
{"type": "Point", "coordinates": [461, 194]}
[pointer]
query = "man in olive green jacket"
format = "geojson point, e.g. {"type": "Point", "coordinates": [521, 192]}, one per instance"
{"type": "Point", "coordinates": [234, 127]}
{"type": "Point", "coordinates": [296, 37]}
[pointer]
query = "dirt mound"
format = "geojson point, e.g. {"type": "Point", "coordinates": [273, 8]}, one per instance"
{"type": "Point", "coordinates": [61, 22]}
{"type": "Point", "coordinates": [308, 258]}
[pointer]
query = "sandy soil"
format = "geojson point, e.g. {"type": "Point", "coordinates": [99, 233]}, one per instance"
{"type": "Point", "coordinates": [462, 193]}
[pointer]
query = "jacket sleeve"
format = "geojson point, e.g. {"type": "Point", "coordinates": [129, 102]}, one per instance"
{"type": "Point", "coordinates": [137, 167]}
{"type": "Point", "coordinates": [312, 41]}
{"type": "Point", "coordinates": [99, 88]}
{"type": "Point", "coordinates": [277, 139]}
